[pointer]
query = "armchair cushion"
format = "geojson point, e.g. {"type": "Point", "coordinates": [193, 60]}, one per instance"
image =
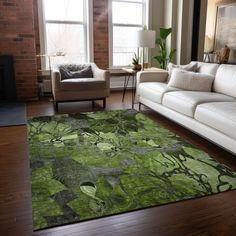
{"type": "Point", "coordinates": [82, 84]}
{"type": "Point", "coordinates": [75, 71]}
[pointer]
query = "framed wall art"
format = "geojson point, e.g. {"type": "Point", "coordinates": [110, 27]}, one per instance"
{"type": "Point", "coordinates": [225, 33]}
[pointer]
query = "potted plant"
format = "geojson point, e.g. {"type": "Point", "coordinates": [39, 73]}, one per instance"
{"type": "Point", "coordinates": [135, 62]}
{"type": "Point", "coordinates": [164, 57]}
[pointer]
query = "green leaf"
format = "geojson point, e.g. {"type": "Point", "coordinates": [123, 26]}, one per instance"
{"type": "Point", "coordinates": [164, 32]}
{"type": "Point", "coordinates": [158, 58]}
{"type": "Point", "coordinates": [89, 189]}
{"type": "Point", "coordinates": [135, 59]}
{"type": "Point", "coordinates": [152, 143]}
{"type": "Point", "coordinates": [163, 58]}
{"type": "Point", "coordinates": [158, 41]}
{"type": "Point", "coordinates": [172, 53]}
{"type": "Point", "coordinates": [105, 146]}
{"type": "Point", "coordinates": [164, 54]}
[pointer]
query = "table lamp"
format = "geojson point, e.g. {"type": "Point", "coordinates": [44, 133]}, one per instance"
{"type": "Point", "coordinates": [145, 39]}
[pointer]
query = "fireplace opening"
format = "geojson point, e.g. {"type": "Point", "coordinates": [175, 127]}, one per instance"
{"type": "Point", "coordinates": [2, 92]}
{"type": "Point", "coordinates": [7, 78]}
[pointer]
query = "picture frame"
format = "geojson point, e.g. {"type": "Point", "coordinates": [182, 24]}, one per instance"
{"type": "Point", "coordinates": [225, 30]}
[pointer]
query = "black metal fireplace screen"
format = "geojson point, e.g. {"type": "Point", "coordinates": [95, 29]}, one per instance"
{"type": "Point", "coordinates": [7, 78]}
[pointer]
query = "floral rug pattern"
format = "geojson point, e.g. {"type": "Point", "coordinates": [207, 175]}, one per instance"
{"type": "Point", "coordinates": [95, 164]}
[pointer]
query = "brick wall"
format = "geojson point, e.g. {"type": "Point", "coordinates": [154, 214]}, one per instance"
{"type": "Point", "coordinates": [36, 32]}
{"type": "Point", "coordinates": [17, 38]}
{"type": "Point", "coordinates": [101, 36]}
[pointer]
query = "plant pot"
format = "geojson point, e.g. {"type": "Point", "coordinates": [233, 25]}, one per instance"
{"type": "Point", "coordinates": [137, 67]}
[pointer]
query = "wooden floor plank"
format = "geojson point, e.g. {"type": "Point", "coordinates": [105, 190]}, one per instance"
{"type": "Point", "coordinates": [207, 216]}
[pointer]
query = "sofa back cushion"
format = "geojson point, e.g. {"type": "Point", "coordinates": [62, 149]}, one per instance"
{"type": "Point", "coordinates": [207, 68]}
{"type": "Point", "coordinates": [192, 81]}
{"type": "Point", "coordinates": [188, 67]}
{"type": "Point", "coordinates": [225, 80]}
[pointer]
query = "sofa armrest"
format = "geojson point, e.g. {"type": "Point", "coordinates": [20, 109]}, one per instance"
{"type": "Point", "coordinates": [152, 76]}
{"type": "Point", "coordinates": [157, 75]}
{"type": "Point", "coordinates": [56, 80]}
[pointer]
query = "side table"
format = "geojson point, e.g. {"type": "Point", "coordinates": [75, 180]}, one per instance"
{"type": "Point", "coordinates": [130, 73]}
{"type": "Point", "coordinates": [127, 73]}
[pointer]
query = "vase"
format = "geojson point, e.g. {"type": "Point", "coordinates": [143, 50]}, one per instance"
{"type": "Point", "coordinates": [137, 67]}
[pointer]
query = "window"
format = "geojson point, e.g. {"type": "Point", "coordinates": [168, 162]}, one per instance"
{"type": "Point", "coordinates": [127, 16]}
{"type": "Point", "coordinates": [65, 31]}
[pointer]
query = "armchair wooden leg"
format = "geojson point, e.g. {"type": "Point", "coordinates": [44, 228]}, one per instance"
{"type": "Point", "coordinates": [104, 103]}
{"type": "Point", "coordinates": [139, 106]}
{"type": "Point", "coordinates": [93, 103]}
{"type": "Point", "coordinates": [56, 106]}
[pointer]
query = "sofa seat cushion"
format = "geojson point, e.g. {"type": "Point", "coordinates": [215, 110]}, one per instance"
{"type": "Point", "coordinates": [185, 102]}
{"type": "Point", "coordinates": [81, 84]}
{"type": "Point", "coordinates": [218, 115]}
{"type": "Point", "coordinates": [154, 91]}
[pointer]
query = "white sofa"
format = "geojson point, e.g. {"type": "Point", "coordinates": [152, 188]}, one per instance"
{"type": "Point", "coordinates": [209, 114]}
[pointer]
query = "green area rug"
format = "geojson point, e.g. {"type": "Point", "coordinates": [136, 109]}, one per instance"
{"type": "Point", "coordinates": [91, 165]}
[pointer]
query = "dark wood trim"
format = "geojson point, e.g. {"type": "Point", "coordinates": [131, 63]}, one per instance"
{"type": "Point", "coordinates": [196, 26]}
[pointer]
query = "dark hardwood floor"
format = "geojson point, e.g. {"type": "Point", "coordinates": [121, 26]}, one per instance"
{"type": "Point", "coordinates": [207, 216]}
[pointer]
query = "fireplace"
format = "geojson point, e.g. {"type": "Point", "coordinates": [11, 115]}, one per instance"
{"type": "Point", "coordinates": [7, 78]}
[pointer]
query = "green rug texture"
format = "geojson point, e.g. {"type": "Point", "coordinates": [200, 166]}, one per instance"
{"type": "Point", "coordinates": [96, 164]}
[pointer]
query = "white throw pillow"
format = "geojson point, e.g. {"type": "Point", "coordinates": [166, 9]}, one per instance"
{"type": "Point", "coordinates": [192, 81]}
{"type": "Point", "coordinates": [189, 67]}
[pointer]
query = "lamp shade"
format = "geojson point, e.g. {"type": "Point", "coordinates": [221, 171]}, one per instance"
{"type": "Point", "coordinates": [146, 38]}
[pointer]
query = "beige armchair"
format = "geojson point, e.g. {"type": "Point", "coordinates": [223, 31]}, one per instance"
{"type": "Point", "coordinates": [69, 84]}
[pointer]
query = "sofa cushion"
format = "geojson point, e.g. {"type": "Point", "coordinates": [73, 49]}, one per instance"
{"type": "Point", "coordinates": [225, 80]}
{"type": "Point", "coordinates": [68, 72]}
{"type": "Point", "coordinates": [188, 67]}
{"type": "Point", "coordinates": [154, 91]}
{"type": "Point", "coordinates": [218, 115]}
{"type": "Point", "coordinates": [65, 73]}
{"type": "Point", "coordinates": [84, 73]}
{"type": "Point", "coordinates": [190, 80]}
{"type": "Point", "coordinates": [82, 84]}
{"type": "Point", "coordinates": [207, 68]}
{"type": "Point", "coordinates": [186, 102]}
